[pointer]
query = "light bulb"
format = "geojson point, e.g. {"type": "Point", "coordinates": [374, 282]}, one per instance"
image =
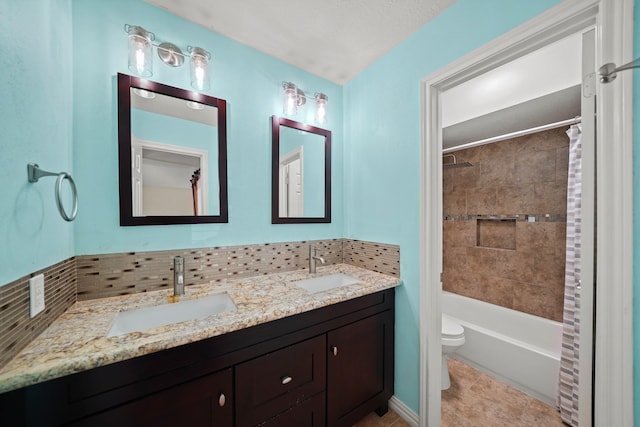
{"type": "Point", "coordinates": [291, 107]}
{"type": "Point", "coordinates": [199, 64]}
{"type": "Point", "coordinates": [321, 108]}
{"type": "Point", "coordinates": [290, 104]}
{"type": "Point", "coordinates": [199, 76]}
{"type": "Point", "coordinates": [140, 61]}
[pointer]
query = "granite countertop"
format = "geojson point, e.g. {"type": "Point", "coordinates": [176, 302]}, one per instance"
{"type": "Point", "coordinates": [76, 341]}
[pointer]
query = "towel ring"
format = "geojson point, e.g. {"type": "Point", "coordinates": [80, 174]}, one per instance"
{"type": "Point", "coordinates": [34, 173]}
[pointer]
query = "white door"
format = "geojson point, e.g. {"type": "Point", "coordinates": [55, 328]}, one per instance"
{"type": "Point", "coordinates": [291, 194]}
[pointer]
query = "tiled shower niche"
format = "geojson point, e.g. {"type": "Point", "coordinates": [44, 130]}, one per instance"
{"type": "Point", "coordinates": [498, 233]}
{"type": "Point", "coordinates": [504, 226]}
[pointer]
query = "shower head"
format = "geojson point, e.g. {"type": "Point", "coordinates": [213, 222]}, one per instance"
{"type": "Point", "coordinates": [454, 164]}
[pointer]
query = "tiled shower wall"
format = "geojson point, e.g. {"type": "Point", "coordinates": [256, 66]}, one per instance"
{"type": "Point", "coordinates": [504, 225]}
{"type": "Point", "coordinates": [97, 276]}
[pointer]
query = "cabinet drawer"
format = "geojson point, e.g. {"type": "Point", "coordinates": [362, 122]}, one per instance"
{"type": "Point", "coordinates": [275, 382]}
{"type": "Point", "coordinates": [309, 413]}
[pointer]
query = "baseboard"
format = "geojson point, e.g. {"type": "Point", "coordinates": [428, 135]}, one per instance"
{"type": "Point", "coordinates": [404, 411]}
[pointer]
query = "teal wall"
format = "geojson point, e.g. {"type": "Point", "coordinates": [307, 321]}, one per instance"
{"type": "Point", "coordinates": [382, 153]}
{"type": "Point", "coordinates": [250, 82]}
{"type": "Point", "coordinates": [58, 109]}
{"type": "Point", "coordinates": [36, 116]}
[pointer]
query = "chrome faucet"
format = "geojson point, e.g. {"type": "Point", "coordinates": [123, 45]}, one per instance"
{"type": "Point", "coordinates": [178, 276]}
{"type": "Point", "coordinates": [313, 258]}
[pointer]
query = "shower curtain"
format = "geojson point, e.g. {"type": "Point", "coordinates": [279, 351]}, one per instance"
{"type": "Point", "coordinates": [569, 368]}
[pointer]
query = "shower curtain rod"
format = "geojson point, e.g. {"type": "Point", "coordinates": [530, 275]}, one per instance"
{"type": "Point", "coordinates": [516, 134]}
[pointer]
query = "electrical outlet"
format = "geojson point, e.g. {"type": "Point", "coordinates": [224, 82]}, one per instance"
{"type": "Point", "coordinates": [36, 294]}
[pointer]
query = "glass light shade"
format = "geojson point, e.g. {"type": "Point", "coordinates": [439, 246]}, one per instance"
{"type": "Point", "coordinates": [199, 68]}
{"type": "Point", "coordinates": [321, 108]}
{"type": "Point", "coordinates": [140, 51]}
{"type": "Point", "coordinates": [290, 99]}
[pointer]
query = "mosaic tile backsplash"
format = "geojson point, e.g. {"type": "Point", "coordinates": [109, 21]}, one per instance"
{"type": "Point", "coordinates": [17, 329]}
{"type": "Point", "coordinates": [97, 276]}
{"type": "Point", "coordinates": [126, 273]}
{"type": "Point", "coordinates": [372, 256]}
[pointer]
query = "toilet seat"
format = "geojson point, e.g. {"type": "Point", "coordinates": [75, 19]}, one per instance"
{"type": "Point", "coordinates": [451, 329]}
{"type": "Point", "coordinates": [452, 337]}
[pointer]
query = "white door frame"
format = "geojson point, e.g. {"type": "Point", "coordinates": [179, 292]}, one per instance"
{"type": "Point", "coordinates": [297, 154]}
{"type": "Point", "coordinates": [137, 146]}
{"type": "Point", "coordinates": [613, 20]}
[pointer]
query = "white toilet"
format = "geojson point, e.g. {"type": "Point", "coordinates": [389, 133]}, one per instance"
{"type": "Point", "coordinates": [452, 338]}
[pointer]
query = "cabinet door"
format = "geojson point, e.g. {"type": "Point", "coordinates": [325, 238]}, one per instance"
{"type": "Point", "coordinates": [359, 369]}
{"type": "Point", "coordinates": [204, 402]}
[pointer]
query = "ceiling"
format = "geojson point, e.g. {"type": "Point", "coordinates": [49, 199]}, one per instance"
{"type": "Point", "coordinates": [333, 39]}
{"type": "Point", "coordinates": [537, 89]}
{"type": "Point", "coordinates": [337, 39]}
{"type": "Point", "coordinates": [552, 108]}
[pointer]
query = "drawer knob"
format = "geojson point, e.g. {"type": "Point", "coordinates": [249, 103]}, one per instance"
{"type": "Point", "coordinates": [286, 379]}
{"type": "Point", "coordinates": [334, 350]}
{"type": "Point", "coordinates": [222, 399]}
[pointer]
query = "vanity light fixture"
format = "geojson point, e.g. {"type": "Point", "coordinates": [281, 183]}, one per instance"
{"type": "Point", "coordinates": [321, 107]}
{"type": "Point", "coordinates": [199, 62]}
{"type": "Point", "coordinates": [294, 97]}
{"type": "Point", "coordinates": [170, 54]}
{"type": "Point", "coordinates": [141, 61]}
{"type": "Point", "coordinates": [140, 50]}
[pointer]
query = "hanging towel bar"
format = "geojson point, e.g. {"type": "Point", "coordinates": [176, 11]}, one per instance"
{"type": "Point", "coordinates": [34, 173]}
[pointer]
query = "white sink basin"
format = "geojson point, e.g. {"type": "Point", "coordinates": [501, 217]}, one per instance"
{"type": "Point", "coordinates": [166, 314]}
{"type": "Point", "coordinates": [323, 283]}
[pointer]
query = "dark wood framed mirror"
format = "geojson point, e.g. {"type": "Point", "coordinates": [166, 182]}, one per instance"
{"type": "Point", "coordinates": [172, 149]}
{"type": "Point", "coordinates": [300, 173]}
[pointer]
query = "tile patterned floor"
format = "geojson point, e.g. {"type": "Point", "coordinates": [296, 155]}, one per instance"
{"type": "Point", "coordinates": [390, 419]}
{"type": "Point", "coordinates": [477, 400]}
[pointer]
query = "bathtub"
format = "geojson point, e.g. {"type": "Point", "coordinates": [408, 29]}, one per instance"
{"type": "Point", "coordinates": [516, 348]}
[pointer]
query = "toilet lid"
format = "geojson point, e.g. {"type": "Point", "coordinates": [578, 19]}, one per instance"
{"type": "Point", "coordinates": [450, 327]}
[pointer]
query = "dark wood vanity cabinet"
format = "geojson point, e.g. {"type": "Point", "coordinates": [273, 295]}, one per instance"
{"type": "Point", "coordinates": [326, 367]}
